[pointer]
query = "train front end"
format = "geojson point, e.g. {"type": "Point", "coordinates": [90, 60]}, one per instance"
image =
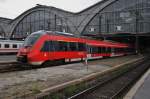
{"type": "Point", "coordinates": [29, 50]}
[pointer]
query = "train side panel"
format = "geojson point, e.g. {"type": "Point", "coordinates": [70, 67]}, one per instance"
{"type": "Point", "coordinates": [51, 47]}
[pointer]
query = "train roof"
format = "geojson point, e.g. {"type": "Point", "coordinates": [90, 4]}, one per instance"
{"type": "Point", "coordinates": [42, 32]}
{"type": "Point", "coordinates": [53, 32]}
{"type": "Point", "coordinates": [106, 43]}
{"type": "Point", "coordinates": [89, 40]}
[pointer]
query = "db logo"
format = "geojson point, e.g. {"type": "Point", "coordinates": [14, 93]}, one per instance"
{"type": "Point", "coordinates": [80, 53]}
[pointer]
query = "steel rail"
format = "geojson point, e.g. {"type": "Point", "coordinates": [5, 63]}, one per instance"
{"type": "Point", "coordinates": [117, 94]}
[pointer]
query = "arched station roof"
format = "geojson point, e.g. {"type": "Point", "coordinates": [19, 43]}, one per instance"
{"type": "Point", "coordinates": [75, 21]}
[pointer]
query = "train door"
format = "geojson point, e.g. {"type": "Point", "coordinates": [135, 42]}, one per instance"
{"type": "Point", "coordinates": [89, 51]}
{"type": "Point", "coordinates": [48, 50]}
{"type": "Point", "coordinates": [45, 50]}
{"type": "Point", "coordinates": [109, 51]}
{"type": "Point", "coordinates": [52, 50]}
{"type": "Point", "coordinates": [112, 51]}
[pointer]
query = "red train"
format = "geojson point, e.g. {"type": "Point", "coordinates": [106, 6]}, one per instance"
{"type": "Point", "coordinates": [45, 47]}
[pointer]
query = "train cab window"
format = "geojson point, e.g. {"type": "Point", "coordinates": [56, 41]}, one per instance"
{"type": "Point", "coordinates": [14, 46]}
{"type": "Point", "coordinates": [47, 46]}
{"type": "Point", "coordinates": [30, 40]}
{"type": "Point", "coordinates": [6, 45]}
{"type": "Point", "coordinates": [81, 47]}
{"type": "Point", "coordinates": [73, 46]}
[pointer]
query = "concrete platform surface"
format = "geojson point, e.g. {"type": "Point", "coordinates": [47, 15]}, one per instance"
{"type": "Point", "coordinates": [18, 83]}
{"type": "Point", "coordinates": [141, 90]}
{"type": "Point", "coordinates": [6, 58]}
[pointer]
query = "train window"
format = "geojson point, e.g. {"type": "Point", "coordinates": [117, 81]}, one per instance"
{"type": "Point", "coordinates": [115, 50]}
{"type": "Point", "coordinates": [81, 47]}
{"type": "Point", "coordinates": [112, 50]}
{"type": "Point", "coordinates": [6, 45]}
{"type": "Point", "coordinates": [94, 50]}
{"type": "Point", "coordinates": [91, 49]}
{"type": "Point", "coordinates": [0, 45]}
{"type": "Point", "coordinates": [55, 44]}
{"type": "Point", "coordinates": [122, 50]}
{"type": "Point", "coordinates": [88, 48]}
{"type": "Point", "coordinates": [106, 49]}
{"type": "Point", "coordinates": [14, 46]}
{"type": "Point", "coordinates": [119, 50]}
{"type": "Point", "coordinates": [73, 46]}
{"type": "Point", "coordinates": [63, 46]}
{"type": "Point", "coordinates": [47, 46]}
{"type": "Point", "coordinates": [29, 41]}
{"type": "Point", "coordinates": [99, 49]}
{"type": "Point", "coordinates": [109, 50]}
{"type": "Point", "coordinates": [60, 45]}
{"type": "Point", "coordinates": [103, 49]}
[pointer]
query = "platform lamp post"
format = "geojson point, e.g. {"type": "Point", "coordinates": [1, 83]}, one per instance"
{"type": "Point", "coordinates": [100, 28]}
{"type": "Point", "coordinates": [55, 26]}
{"type": "Point", "coordinates": [107, 27]}
{"type": "Point", "coordinates": [100, 17]}
{"type": "Point", "coordinates": [3, 34]}
{"type": "Point", "coordinates": [48, 25]}
{"type": "Point", "coordinates": [136, 30]}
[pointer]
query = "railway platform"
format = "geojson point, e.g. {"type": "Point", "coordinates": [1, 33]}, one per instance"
{"type": "Point", "coordinates": [141, 90]}
{"type": "Point", "coordinates": [7, 58]}
{"type": "Point", "coordinates": [18, 83]}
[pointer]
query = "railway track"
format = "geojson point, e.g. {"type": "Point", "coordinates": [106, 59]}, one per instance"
{"type": "Point", "coordinates": [9, 66]}
{"type": "Point", "coordinates": [114, 88]}
{"type": "Point", "coordinates": [15, 66]}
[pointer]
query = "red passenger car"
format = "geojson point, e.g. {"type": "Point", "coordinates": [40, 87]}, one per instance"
{"type": "Point", "coordinates": [45, 47]}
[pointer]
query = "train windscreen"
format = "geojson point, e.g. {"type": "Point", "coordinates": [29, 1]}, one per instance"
{"type": "Point", "coordinates": [30, 40]}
